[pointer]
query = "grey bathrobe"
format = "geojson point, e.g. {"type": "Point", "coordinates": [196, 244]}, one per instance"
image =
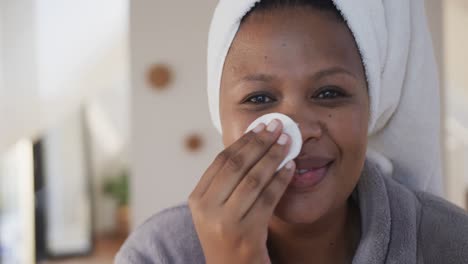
{"type": "Point", "coordinates": [398, 226]}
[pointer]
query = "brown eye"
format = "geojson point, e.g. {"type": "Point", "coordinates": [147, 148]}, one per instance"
{"type": "Point", "coordinates": [259, 99]}
{"type": "Point", "coordinates": [330, 93]}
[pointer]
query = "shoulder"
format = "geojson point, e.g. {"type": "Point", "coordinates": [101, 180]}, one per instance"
{"type": "Point", "coordinates": [167, 237]}
{"type": "Point", "coordinates": [443, 230]}
{"type": "Point", "coordinates": [441, 227]}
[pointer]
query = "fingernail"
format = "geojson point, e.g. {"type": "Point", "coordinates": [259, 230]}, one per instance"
{"type": "Point", "coordinates": [273, 125]}
{"type": "Point", "coordinates": [289, 165]}
{"type": "Point", "coordinates": [259, 128]}
{"type": "Point", "coordinates": [283, 139]}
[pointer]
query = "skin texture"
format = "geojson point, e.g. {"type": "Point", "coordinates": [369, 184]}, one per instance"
{"type": "Point", "coordinates": [304, 63]}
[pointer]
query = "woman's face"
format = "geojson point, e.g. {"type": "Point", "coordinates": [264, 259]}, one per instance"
{"type": "Point", "coordinates": [304, 63]}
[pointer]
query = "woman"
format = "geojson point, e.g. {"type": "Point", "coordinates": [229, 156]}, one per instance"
{"type": "Point", "coordinates": [350, 74]}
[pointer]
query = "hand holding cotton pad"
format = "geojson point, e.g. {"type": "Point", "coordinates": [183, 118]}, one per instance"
{"type": "Point", "coordinates": [289, 127]}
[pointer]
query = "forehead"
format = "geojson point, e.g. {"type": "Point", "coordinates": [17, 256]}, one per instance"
{"type": "Point", "coordinates": [292, 40]}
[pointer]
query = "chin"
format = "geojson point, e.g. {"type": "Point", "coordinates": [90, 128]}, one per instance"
{"type": "Point", "coordinates": [310, 205]}
{"type": "Point", "coordinates": [300, 209]}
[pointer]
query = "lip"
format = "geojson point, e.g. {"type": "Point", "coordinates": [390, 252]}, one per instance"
{"type": "Point", "coordinates": [318, 170]}
{"type": "Point", "coordinates": [312, 162]}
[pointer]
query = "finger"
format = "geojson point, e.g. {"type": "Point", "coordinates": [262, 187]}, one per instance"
{"type": "Point", "coordinates": [237, 166]}
{"type": "Point", "coordinates": [264, 207]}
{"type": "Point", "coordinates": [207, 177]}
{"type": "Point", "coordinates": [252, 185]}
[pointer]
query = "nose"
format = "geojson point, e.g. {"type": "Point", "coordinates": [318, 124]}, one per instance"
{"type": "Point", "coordinates": [310, 130]}
{"type": "Point", "coordinates": [308, 121]}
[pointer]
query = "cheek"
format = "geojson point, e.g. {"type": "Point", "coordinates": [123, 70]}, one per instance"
{"type": "Point", "coordinates": [231, 123]}
{"type": "Point", "coordinates": [348, 129]}
{"type": "Point", "coordinates": [234, 125]}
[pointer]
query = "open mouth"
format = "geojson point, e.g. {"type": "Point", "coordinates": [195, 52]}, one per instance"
{"type": "Point", "coordinates": [311, 176]}
{"type": "Point", "coordinates": [302, 171]}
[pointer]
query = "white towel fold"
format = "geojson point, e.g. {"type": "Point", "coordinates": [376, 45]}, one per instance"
{"type": "Point", "coordinates": [396, 49]}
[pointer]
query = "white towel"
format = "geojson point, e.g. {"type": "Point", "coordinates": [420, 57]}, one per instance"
{"type": "Point", "coordinates": [397, 52]}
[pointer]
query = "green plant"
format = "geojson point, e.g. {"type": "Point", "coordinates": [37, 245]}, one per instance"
{"type": "Point", "coordinates": [117, 188]}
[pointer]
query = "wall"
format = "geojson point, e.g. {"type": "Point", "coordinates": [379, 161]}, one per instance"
{"type": "Point", "coordinates": [456, 36]}
{"type": "Point", "coordinates": [20, 82]}
{"type": "Point", "coordinates": [163, 172]}
{"type": "Point", "coordinates": [2, 32]}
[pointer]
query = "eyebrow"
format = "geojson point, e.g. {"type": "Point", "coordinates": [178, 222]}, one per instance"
{"type": "Point", "coordinates": [262, 77]}
{"type": "Point", "coordinates": [332, 71]}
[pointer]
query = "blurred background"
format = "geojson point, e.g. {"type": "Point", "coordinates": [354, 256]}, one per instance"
{"type": "Point", "coordinates": [104, 118]}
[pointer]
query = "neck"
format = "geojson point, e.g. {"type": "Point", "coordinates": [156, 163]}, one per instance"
{"type": "Point", "coordinates": [331, 239]}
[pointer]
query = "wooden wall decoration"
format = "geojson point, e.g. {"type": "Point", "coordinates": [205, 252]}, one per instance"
{"type": "Point", "coordinates": [159, 76]}
{"type": "Point", "coordinates": [193, 142]}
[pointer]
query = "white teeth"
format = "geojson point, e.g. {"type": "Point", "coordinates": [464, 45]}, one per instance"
{"type": "Point", "coordinates": [302, 171]}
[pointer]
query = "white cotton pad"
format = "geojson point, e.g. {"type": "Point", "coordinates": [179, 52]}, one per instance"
{"type": "Point", "coordinates": [289, 127]}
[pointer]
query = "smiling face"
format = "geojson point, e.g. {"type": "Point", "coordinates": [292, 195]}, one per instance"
{"type": "Point", "coordinates": [304, 63]}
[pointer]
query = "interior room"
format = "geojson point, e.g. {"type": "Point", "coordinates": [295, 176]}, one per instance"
{"type": "Point", "coordinates": [105, 119]}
